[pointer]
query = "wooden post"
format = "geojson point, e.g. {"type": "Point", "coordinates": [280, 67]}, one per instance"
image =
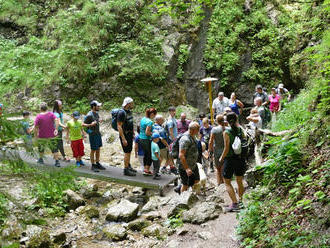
{"type": "Point", "coordinates": [208, 82]}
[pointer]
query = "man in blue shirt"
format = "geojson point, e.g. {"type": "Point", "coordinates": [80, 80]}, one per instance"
{"type": "Point", "coordinates": [171, 125]}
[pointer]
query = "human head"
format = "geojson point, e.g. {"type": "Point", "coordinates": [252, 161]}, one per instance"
{"type": "Point", "coordinates": [193, 128]}
{"type": "Point", "coordinates": [159, 119]}
{"type": "Point", "coordinates": [233, 96]}
{"type": "Point", "coordinates": [155, 137]}
{"type": "Point", "coordinates": [281, 86]}
{"type": "Point", "coordinates": [183, 117]}
{"type": "Point", "coordinates": [26, 114]}
{"type": "Point", "coordinates": [206, 122]}
{"type": "Point", "coordinates": [221, 96]}
{"type": "Point", "coordinates": [172, 111]}
{"type": "Point", "coordinates": [57, 108]}
{"type": "Point", "coordinates": [127, 103]}
{"type": "Point", "coordinates": [227, 110]}
{"type": "Point", "coordinates": [151, 113]}
{"type": "Point", "coordinates": [273, 90]}
{"type": "Point", "coordinates": [259, 88]}
{"type": "Point", "coordinates": [220, 120]}
{"type": "Point", "coordinates": [232, 119]}
{"type": "Point", "coordinates": [43, 106]}
{"type": "Point", "coordinates": [201, 116]}
{"type": "Point", "coordinates": [95, 105]}
{"type": "Point", "coordinates": [76, 115]}
{"type": "Point", "coordinates": [258, 101]}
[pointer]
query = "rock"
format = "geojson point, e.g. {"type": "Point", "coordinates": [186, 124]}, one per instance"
{"type": "Point", "coordinates": [40, 240]}
{"type": "Point", "coordinates": [182, 202]}
{"type": "Point", "coordinates": [32, 230]}
{"type": "Point", "coordinates": [173, 244]}
{"type": "Point", "coordinates": [205, 235]}
{"type": "Point", "coordinates": [106, 197]}
{"type": "Point", "coordinates": [215, 197]}
{"type": "Point", "coordinates": [138, 225]}
{"type": "Point", "coordinates": [154, 230]}
{"type": "Point", "coordinates": [152, 204]}
{"type": "Point", "coordinates": [59, 237]}
{"type": "Point", "coordinates": [12, 229]}
{"type": "Point", "coordinates": [122, 211]}
{"type": "Point", "coordinates": [152, 215]}
{"type": "Point", "coordinates": [138, 191]}
{"type": "Point", "coordinates": [91, 212]}
{"type": "Point", "coordinates": [115, 232]}
{"type": "Point", "coordinates": [182, 231]}
{"type": "Point", "coordinates": [73, 199]}
{"type": "Point", "coordinates": [201, 213]}
{"type": "Point", "coordinates": [253, 176]}
{"type": "Point", "coordinates": [90, 191]}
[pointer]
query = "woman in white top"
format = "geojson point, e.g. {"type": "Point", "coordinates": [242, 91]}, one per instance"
{"type": "Point", "coordinates": [255, 119]}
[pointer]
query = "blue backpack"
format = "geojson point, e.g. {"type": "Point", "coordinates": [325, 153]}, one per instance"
{"type": "Point", "coordinates": [114, 115]}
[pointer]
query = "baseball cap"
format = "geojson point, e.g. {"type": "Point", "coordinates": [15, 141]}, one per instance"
{"type": "Point", "coordinates": [95, 103]}
{"type": "Point", "coordinates": [76, 115]}
{"type": "Point", "coordinates": [281, 86]}
{"type": "Point", "coordinates": [155, 136]}
{"type": "Point", "coordinates": [126, 101]}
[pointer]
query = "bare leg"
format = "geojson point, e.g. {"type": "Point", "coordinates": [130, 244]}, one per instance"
{"type": "Point", "coordinates": [230, 190]}
{"type": "Point", "coordinates": [97, 155]}
{"type": "Point", "coordinates": [239, 181]}
{"type": "Point", "coordinates": [127, 159]}
{"type": "Point", "coordinates": [92, 156]}
{"type": "Point", "coordinates": [56, 155]}
{"type": "Point", "coordinates": [219, 175]}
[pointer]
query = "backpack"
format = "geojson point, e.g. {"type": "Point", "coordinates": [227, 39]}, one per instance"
{"type": "Point", "coordinates": [240, 144]}
{"type": "Point", "coordinates": [114, 115]}
{"type": "Point", "coordinates": [174, 151]}
{"type": "Point", "coordinates": [88, 130]}
{"type": "Point", "coordinates": [268, 115]}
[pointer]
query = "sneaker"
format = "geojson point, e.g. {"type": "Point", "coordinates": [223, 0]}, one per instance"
{"type": "Point", "coordinates": [78, 163]}
{"type": "Point", "coordinates": [174, 170]}
{"type": "Point", "coordinates": [40, 161]}
{"type": "Point", "coordinates": [157, 175]}
{"type": "Point", "coordinates": [240, 204]}
{"type": "Point", "coordinates": [57, 163]}
{"type": "Point", "coordinates": [163, 170]}
{"type": "Point", "coordinates": [131, 168]}
{"type": "Point", "coordinates": [232, 208]}
{"type": "Point", "coordinates": [81, 163]}
{"type": "Point", "coordinates": [99, 166]}
{"type": "Point", "coordinates": [128, 172]}
{"type": "Point", "coordinates": [95, 168]}
{"type": "Point", "coordinates": [147, 173]}
{"type": "Point", "coordinates": [177, 189]}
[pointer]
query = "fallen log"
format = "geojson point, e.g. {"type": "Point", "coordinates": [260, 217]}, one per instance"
{"type": "Point", "coordinates": [277, 134]}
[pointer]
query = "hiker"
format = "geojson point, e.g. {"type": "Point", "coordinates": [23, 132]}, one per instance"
{"type": "Point", "coordinates": [219, 104]}
{"type": "Point", "coordinates": [262, 94]}
{"type": "Point", "coordinates": [235, 104]}
{"type": "Point", "coordinates": [261, 110]}
{"type": "Point", "coordinates": [183, 124]}
{"type": "Point", "coordinates": [45, 130]}
{"type": "Point", "coordinates": [27, 127]}
{"type": "Point", "coordinates": [188, 155]}
{"type": "Point", "coordinates": [74, 136]}
{"type": "Point", "coordinates": [216, 145]}
{"type": "Point", "coordinates": [255, 121]}
{"type": "Point", "coordinates": [155, 154]}
{"type": "Point", "coordinates": [146, 127]}
{"type": "Point", "coordinates": [92, 121]}
{"type": "Point", "coordinates": [201, 116]}
{"type": "Point", "coordinates": [1, 106]}
{"type": "Point", "coordinates": [126, 133]}
{"type": "Point", "coordinates": [57, 110]}
{"type": "Point", "coordinates": [232, 163]}
{"type": "Point", "coordinates": [171, 125]}
{"type": "Point", "coordinates": [204, 137]}
{"type": "Point", "coordinates": [283, 92]}
{"type": "Point", "coordinates": [139, 153]}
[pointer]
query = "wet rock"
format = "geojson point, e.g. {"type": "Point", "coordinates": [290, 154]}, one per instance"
{"type": "Point", "coordinates": [106, 197]}
{"type": "Point", "coordinates": [173, 244]}
{"type": "Point", "coordinates": [154, 215]}
{"type": "Point", "coordinates": [91, 212]}
{"type": "Point", "coordinates": [115, 232]}
{"type": "Point", "coordinates": [152, 204]}
{"type": "Point", "coordinates": [122, 211]}
{"type": "Point", "coordinates": [138, 225]}
{"type": "Point", "coordinates": [201, 213]}
{"type": "Point", "coordinates": [90, 191]}
{"type": "Point", "coordinates": [41, 240]}
{"type": "Point", "coordinates": [73, 199]}
{"type": "Point", "coordinates": [154, 230]}
{"type": "Point", "coordinates": [205, 235]}
{"type": "Point", "coordinates": [182, 202]}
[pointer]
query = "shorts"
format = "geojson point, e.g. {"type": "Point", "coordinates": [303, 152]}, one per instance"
{"type": "Point", "coordinates": [190, 181]}
{"type": "Point", "coordinates": [95, 141]}
{"type": "Point", "coordinates": [233, 165]}
{"type": "Point", "coordinates": [50, 143]}
{"type": "Point", "coordinates": [164, 154]}
{"type": "Point", "coordinates": [78, 148]}
{"type": "Point", "coordinates": [129, 147]}
{"type": "Point", "coordinates": [216, 159]}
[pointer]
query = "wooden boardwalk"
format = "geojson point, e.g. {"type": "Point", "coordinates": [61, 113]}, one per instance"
{"type": "Point", "coordinates": [111, 174]}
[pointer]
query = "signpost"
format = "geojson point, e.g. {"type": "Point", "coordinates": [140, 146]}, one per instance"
{"type": "Point", "coordinates": [208, 82]}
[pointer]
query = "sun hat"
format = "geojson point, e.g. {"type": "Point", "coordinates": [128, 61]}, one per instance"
{"type": "Point", "coordinates": [155, 136]}
{"type": "Point", "coordinates": [126, 101]}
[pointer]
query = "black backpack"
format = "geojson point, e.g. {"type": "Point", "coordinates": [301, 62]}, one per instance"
{"type": "Point", "coordinates": [114, 115]}
{"type": "Point", "coordinates": [174, 152]}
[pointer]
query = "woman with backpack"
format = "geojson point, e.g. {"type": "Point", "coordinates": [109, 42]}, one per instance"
{"type": "Point", "coordinates": [232, 161]}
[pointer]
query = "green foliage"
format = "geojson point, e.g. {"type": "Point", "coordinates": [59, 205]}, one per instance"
{"type": "Point", "coordinates": [3, 209]}
{"type": "Point", "coordinates": [175, 221]}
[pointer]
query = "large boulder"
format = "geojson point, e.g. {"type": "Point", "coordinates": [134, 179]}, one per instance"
{"type": "Point", "coordinates": [115, 232]}
{"type": "Point", "coordinates": [91, 212]}
{"type": "Point", "coordinates": [138, 225]}
{"type": "Point", "coordinates": [73, 199]}
{"type": "Point", "coordinates": [182, 202]}
{"type": "Point", "coordinates": [154, 230]}
{"type": "Point", "coordinates": [155, 203]}
{"type": "Point", "coordinates": [122, 211]}
{"type": "Point", "coordinates": [202, 212]}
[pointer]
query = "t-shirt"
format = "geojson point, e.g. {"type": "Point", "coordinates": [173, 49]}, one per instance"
{"type": "Point", "coordinates": [91, 117]}
{"type": "Point", "coordinates": [126, 116]}
{"type": "Point", "coordinates": [45, 122]}
{"type": "Point", "coordinates": [274, 103]}
{"type": "Point", "coordinates": [232, 134]}
{"type": "Point", "coordinates": [183, 126]}
{"type": "Point", "coordinates": [145, 122]}
{"type": "Point", "coordinates": [162, 133]}
{"type": "Point", "coordinates": [60, 116]}
{"type": "Point", "coordinates": [206, 133]}
{"type": "Point", "coordinates": [220, 106]}
{"type": "Point", "coordinates": [283, 93]}
{"type": "Point", "coordinates": [140, 148]}
{"type": "Point", "coordinates": [26, 125]}
{"type": "Point", "coordinates": [189, 144]}
{"type": "Point", "coordinates": [218, 144]}
{"type": "Point", "coordinates": [171, 123]}
{"type": "Point", "coordinates": [263, 96]}
{"type": "Point", "coordinates": [255, 125]}
{"type": "Point", "coordinates": [154, 149]}
{"type": "Point", "coordinates": [75, 129]}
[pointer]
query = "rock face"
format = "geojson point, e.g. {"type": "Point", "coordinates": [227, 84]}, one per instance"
{"type": "Point", "coordinates": [74, 200]}
{"type": "Point", "coordinates": [122, 211]}
{"type": "Point", "coordinates": [115, 232]}
{"type": "Point", "coordinates": [201, 213]}
{"type": "Point", "coordinates": [183, 201]}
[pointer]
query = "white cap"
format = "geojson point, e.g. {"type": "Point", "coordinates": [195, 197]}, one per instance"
{"type": "Point", "coordinates": [126, 101]}
{"type": "Point", "coordinates": [95, 103]}
{"type": "Point", "coordinates": [281, 86]}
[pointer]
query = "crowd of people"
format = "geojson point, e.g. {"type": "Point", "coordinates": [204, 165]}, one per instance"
{"type": "Point", "coordinates": [165, 144]}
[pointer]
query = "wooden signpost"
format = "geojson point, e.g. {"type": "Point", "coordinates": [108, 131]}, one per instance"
{"type": "Point", "coordinates": [208, 82]}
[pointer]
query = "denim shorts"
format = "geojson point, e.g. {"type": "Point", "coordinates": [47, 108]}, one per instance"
{"type": "Point", "coordinates": [95, 141]}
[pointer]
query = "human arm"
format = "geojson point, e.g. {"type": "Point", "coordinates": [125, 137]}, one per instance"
{"type": "Point", "coordinates": [164, 142]}
{"type": "Point", "coordinates": [57, 123]}
{"type": "Point", "coordinates": [148, 130]}
{"type": "Point", "coordinates": [36, 131]}
{"type": "Point", "coordinates": [266, 100]}
{"type": "Point", "coordinates": [253, 118]}
{"type": "Point", "coordinates": [121, 132]}
{"type": "Point", "coordinates": [226, 148]}
{"type": "Point", "coordinates": [182, 157]}
{"type": "Point", "coordinates": [211, 142]}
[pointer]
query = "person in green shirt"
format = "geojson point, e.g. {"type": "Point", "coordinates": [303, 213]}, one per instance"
{"type": "Point", "coordinates": [75, 134]}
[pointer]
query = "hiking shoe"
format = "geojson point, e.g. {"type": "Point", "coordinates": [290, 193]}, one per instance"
{"type": "Point", "coordinates": [81, 163]}
{"type": "Point", "coordinates": [95, 168]}
{"type": "Point", "coordinates": [131, 168]}
{"type": "Point", "coordinates": [78, 163]}
{"type": "Point", "coordinates": [232, 208]}
{"type": "Point", "coordinates": [163, 170]}
{"type": "Point", "coordinates": [128, 172]}
{"type": "Point", "coordinates": [40, 161]}
{"type": "Point", "coordinates": [157, 176]}
{"type": "Point", "coordinates": [174, 170]}
{"type": "Point", "coordinates": [57, 163]}
{"type": "Point", "coordinates": [147, 173]}
{"type": "Point", "coordinates": [177, 189]}
{"type": "Point", "coordinates": [99, 166]}
{"type": "Point", "coordinates": [240, 205]}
